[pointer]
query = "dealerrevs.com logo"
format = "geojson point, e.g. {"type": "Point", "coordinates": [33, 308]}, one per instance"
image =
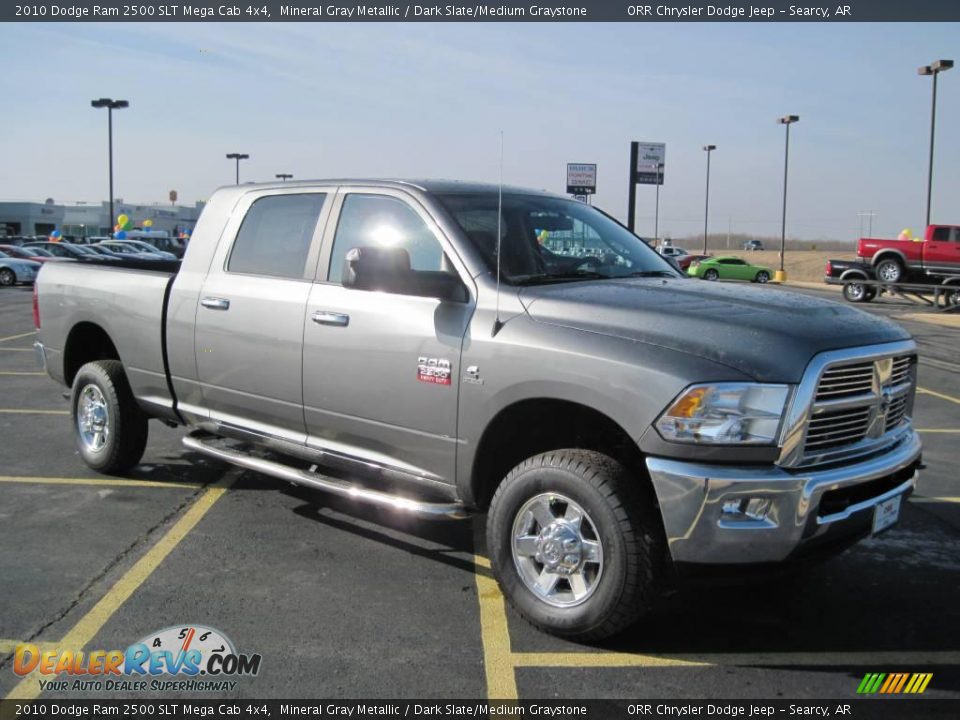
{"type": "Point", "coordinates": [188, 658]}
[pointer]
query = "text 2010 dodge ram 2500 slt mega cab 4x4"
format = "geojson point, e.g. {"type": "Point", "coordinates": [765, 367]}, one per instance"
{"type": "Point", "coordinates": [449, 347]}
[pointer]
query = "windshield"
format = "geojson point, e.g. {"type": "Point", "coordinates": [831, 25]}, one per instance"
{"type": "Point", "coordinates": [121, 248]}
{"type": "Point", "coordinates": [547, 239]}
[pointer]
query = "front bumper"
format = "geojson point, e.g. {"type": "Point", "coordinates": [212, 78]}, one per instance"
{"type": "Point", "coordinates": [716, 514]}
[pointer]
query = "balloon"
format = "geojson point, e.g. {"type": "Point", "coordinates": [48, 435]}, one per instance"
{"type": "Point", "coordinates": [55, 234]}
{"type": "Point", "coordinates": [122, 235]}
{"type": "Point", "coordinates": [148, 223]}
{"type": "Point", "coordinates": [122, 220]}
{"type": "Point", "coordinates": [126, 226]}
{"type": "Point", "coordinates": [906, 234]}
{"type": "Point", "coordinates": [543, 236]}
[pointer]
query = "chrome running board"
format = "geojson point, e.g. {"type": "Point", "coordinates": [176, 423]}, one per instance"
{"type": "Point", "coordinates": [202, 443]}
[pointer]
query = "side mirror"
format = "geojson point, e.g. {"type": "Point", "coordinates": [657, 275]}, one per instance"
{"type": "Point", "coordinates": [388, 270]}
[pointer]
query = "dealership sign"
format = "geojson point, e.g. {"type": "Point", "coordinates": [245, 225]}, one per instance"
{"type": "Point", "coordinates": [581, 178]}
{"type": "Point", "coordinates": [651, 163]}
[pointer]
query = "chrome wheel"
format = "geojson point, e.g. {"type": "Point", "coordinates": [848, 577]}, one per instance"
{"type": "Point", "coordinates": [93, 418]}
{"type": "Point", "coordinates": [556, 550]}
{"type": "Point", "coordinates": [7, 277]}
{"type": "Point", "coordinates": [889, 271]}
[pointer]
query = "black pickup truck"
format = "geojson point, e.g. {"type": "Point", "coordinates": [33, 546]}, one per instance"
{"type": "Point", "coordinates": [855, 276]}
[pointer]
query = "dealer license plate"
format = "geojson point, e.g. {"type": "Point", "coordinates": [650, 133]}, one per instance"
{"type": "Point", "coordinates": [886, 514]}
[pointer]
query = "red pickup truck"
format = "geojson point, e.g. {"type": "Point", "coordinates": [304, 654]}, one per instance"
{"type": "Point", "coordinates": [938, 253]}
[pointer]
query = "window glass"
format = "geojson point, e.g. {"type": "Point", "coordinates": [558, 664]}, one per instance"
{"type": "Point", "coordinates": [941, 234]}
{"type": "Point", "coordinates": [383, 221]}
{"type": "Point", "coordinates": [547, 239]}
{"type": "Point", "coordinates": [275, 236]}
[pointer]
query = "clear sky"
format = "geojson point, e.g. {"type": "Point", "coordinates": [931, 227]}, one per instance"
{"type": "Point", "coordinates": [429, 100]}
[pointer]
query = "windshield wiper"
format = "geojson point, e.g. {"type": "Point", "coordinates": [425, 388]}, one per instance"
{"type": "Point", "coordinates": [537, 278]}
{"type": "Point", "coordinates": [652, 273]}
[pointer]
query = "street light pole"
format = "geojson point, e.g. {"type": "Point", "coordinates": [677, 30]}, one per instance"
{"type": "Point", "coordinates": [706, 209]}
{"type": "Point", "coordinates": [934, 68]}
{"type": "Point", "coordinates": [283, 176]}
{"type": "Point", "coordinates": [238, 157]}
{"type": "Point", "coordinates": [110, 105]}
{"type": "Point", "coordinates": [787, 120]}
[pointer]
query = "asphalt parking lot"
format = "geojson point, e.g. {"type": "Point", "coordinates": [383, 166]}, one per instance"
{"type": "Point", "coordinates": [344, 601]}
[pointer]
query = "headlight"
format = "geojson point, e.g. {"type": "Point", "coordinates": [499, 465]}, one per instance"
{"type": "Point", "coordinates": [725, 414]}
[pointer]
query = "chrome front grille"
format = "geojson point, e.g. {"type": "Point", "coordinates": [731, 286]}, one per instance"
{"type": "Point", "coordinates": [857, 404]}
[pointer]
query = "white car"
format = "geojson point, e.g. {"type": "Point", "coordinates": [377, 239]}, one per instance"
{"type": "Point", "coordinates": [674, 252]}
{"type": "Point", "coordinates": [14, 270]}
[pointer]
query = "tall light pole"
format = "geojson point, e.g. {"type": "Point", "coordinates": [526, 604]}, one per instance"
{"type": "Point", "coordinates": [934, 68]}
{"type": "Point", "coordinates": [110, 105]}
{"type": "Point", "coordinates": [283, 176]}
{"type": "Point", "coordinates": [706, 209]}
{"type": "Point", "coordinates": [238, 157]}
{"type": "Point", "coordinates": [787, 120]}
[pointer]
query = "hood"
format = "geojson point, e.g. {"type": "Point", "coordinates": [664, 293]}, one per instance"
{"type": "Point", "coordinates": [765, 333]}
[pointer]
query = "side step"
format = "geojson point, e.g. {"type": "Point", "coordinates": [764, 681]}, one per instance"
{"type": "Point", "coordinates": [203, 443]}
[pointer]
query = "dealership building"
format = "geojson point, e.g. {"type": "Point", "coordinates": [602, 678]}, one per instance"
{"type": "Point", "coordinates": [90, 219]}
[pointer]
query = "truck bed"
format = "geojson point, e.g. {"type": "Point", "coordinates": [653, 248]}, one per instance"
{"type": "Point", "coordinates": [128, 300]}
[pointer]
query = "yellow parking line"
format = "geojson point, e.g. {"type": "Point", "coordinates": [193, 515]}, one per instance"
{"type": "Point", "coordinates": [9, 646]}
{"type": "Point", "coordinates": [20, 411]}
{"type": "Point", "coordinates": [494, 633]}
{"type": "Point", "coordinates": [17, 372]}
{"type": "Point", "coordinates": [89, 625]}
{"type": "Point", "coordinates": [942, 396]}
{"type": "Point", "coordinates": [925, 499]}
{"type": "Point", "coordinates": [17, 337]}
{"type": "Point", "coordinates": [110, 482]}
{"type": "Point", "coordinates": [782, 659]}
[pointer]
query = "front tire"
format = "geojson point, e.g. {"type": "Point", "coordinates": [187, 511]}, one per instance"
{"type": "Point", "coordinates": [109, 427]}
{"type": "Point", "coordinates": [576, 549]}
{"type": "Point", "coordinates": [7, 277]}
{"type": "Point", "coordinates": [763, 277]}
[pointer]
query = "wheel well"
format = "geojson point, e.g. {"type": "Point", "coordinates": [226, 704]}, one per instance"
{"type": "Point", "coordinates": [85, 343]}
{"type": "Point", "coordinates": [530, 427]}
{"type": "Point", "coordinates": [889, 255]}
{"type": "Point", "coordinates": [854, 275]}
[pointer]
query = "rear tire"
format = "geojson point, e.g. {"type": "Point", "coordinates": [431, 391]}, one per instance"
{"type": "Point", "coordinates": [889, 270]}
{"type": "Point", "coordinates": [711, 275]}
{"type": "Point", "coordinates": [7, 277]}
{"type": "Point", "coordinates": [600, 574]}
{"type": "Point", "coordinates": [857, 292]}
{"type": "Point", "coordinates": [109, 427]}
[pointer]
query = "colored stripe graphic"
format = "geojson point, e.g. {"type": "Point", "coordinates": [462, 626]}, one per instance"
{"type": "Point", "coordinates": [894, 683]}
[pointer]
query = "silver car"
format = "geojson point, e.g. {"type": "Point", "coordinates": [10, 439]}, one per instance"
{"type": "Point", "coordinates": [14, 270]}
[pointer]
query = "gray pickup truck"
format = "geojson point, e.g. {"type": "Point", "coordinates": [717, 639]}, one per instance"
{"type": "Point", "coordinates": [440, 348]}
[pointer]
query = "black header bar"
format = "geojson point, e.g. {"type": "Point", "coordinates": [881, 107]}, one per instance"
{"type": "Point", "coordinates": [822, 11]}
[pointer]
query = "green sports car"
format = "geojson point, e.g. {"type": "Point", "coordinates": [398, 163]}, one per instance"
{"type": "Point", "coordinates": [729, 268]}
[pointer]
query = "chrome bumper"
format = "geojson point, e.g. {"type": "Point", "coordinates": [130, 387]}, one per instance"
{"type": "Point", "coordinates": [717, 514]}
{"type": "Point", "coordinates": [41, 354]}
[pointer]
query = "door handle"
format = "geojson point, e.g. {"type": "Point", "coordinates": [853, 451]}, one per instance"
{"type": "Point", "coordinates": [325, 317]}
{"type": "Point", "coordinates": [215, 303]}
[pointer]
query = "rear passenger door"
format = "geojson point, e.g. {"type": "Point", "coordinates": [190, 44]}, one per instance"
{"type": "Point", "coordinates": [249, 326]}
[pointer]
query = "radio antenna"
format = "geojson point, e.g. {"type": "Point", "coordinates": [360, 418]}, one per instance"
{"type": "Point", "coordinates": [497, 323]}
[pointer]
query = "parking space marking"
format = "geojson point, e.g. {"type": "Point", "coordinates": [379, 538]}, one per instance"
{"type": "Point", "coordinates": [942, 396]}
{"type": "Point", "coordinates": [90, 624]}
{"type": "Point", "coordinates": [494, 632]}
{"type": "Point", "coordinates": [770, 659]}
{"type": "Point", "coordinates": [17, 337]}
{"type": "Point", "coordinates": [23, 411]}
{"type": "Point", "coordinates": [6, 349]}
{"type": "Point", "coordinates": [113, 482]}
{"type": "Point", "coordinates": [20, 372]}
{"type": "Point", "coordinates": [925, 499]}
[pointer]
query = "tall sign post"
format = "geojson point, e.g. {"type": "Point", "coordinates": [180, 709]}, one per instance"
{"type": "Point", "coordinates": [647, 166]}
